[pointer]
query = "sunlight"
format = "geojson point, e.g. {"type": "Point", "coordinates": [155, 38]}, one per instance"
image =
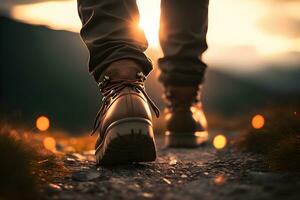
{"type": "Point", "coordinates": [58, 15]}
{"type": "Point", "coordinates": [231, 23]}
{"type": "Point", "coordinates": [199, 115]}
{"type": "Point", "coordinates": [42, 123]}
{"type": "Point", "coordinates": [219, 141]}
{"type": "Point", "coordinates": [258, 121]}
{"type": "Point", "coordinates": [225, 27]}
{"type": "Point", "coordinates": [149, 20]}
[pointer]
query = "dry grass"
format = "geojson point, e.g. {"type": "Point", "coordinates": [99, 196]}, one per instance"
{"type": "Point", "coordinates": [278, 140]}
{"type": "Point", "coordinates": [25, 164]}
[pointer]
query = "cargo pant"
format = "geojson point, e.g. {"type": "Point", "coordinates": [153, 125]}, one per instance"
{"type": "Point", "coordinates": [110, 31]}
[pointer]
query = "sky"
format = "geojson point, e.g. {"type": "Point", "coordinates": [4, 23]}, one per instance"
{"type": "Point", "coordinates": [245, 34]}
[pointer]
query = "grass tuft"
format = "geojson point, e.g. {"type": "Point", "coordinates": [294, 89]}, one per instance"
{"type": "Point", "coordinates": [25, 165]}
{"type": "Point", "coordinates": [278, 140]}
{"type": "Point", "coordinates": [16, 180]}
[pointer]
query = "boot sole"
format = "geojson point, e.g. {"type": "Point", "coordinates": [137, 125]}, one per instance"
{"type": "Point", "coordinates": [127, 141]}
{"type": "Point", "coordinates": [185, 139]}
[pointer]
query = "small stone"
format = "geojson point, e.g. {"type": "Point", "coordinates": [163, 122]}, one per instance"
{"type": "Point", "coordinates": [79, 156]}
{"type": "Point", "coordinates": [183, 176]}
{"type": "Point", "coordinates": [70, 161]}
{"type": "Point", "coordinates": [54, 186]}
{"type": "Point", "coordinates": [167, 181]}
{"type": "Point", "coordinates": [173, 162]}
{"type": "Point", "coordinates": [148, 195]}
{"type": "Point", "coordinates": [68, 187]}
{"type": "Point", "coordinates": [86, 175]}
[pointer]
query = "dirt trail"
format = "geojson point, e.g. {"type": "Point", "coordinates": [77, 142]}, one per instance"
{"type": "Point", "coordinates": [202, 173]}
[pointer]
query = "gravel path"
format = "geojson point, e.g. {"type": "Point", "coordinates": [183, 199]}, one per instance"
{"type": "Point", "coordinates": [202, 173]}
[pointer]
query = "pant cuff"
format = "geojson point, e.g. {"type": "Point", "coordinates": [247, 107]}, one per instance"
{"type": "Point", "coordinates": [182, 71]}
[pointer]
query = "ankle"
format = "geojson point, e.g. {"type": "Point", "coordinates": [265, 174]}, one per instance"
{"type": "Point", "coordinates": [122, 69]}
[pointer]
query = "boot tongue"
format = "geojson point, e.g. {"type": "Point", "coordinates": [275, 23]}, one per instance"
{"type": "Point", "coordinates": [122, 69]}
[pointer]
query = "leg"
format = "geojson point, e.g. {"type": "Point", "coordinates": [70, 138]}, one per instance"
{"type": "Point", "coordinates": [183, 39]}
{"type": "Point", "coordinates": [183, 31]}
{"type": "Point", "coordinates": [111, 33]}
{"type": "Point", "coordinates": [116, 45]}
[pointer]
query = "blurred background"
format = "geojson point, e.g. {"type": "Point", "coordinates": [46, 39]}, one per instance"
{"type": "Point", "coordinates": [253, 58]}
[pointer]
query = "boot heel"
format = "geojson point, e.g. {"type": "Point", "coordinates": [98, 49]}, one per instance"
{"type": "Point", "coordinates": [185, 140]}
{"type": "Point", "coordinates": [127, 140]}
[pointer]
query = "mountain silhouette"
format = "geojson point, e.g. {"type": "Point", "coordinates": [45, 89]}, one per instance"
{"type": "Point", "coordinates": [44, 72]}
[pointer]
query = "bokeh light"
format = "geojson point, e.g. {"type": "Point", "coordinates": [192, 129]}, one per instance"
{"type": "Point", "coordinates": [219, 141]}
{"type": "Point", "coordinates": [220, 179]}
{"type": "Point", "coordinates": [50, 144]}
{"type": "Point", "coordinates": [258, 121]}
{"type": "Point", "coordinates": [42, 123]}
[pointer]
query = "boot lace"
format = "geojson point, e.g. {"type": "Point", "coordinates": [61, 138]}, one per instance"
{"type": "Point", "coordinates": [110, 88]}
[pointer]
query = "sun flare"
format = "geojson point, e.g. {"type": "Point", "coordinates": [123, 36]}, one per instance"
{"type": "Point", "coordinates": [231, 24]}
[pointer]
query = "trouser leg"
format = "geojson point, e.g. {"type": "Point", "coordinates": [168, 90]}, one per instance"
{"type": "Point", "coordinates": [182, 35]}
{"type": "Point", "coordinates": [111, 33]}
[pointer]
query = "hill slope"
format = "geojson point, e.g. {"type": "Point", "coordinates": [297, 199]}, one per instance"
{"type": "Point", "coordinates": [44, 72]}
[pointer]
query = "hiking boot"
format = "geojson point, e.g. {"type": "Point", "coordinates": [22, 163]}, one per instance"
{"type": "Point", "coordinates": [124, 120]}
{"type": "Point", "coordinates": [186, 125]}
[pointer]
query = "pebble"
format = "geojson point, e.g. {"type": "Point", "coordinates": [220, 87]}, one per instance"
{"type": "Point", "coordinates": [79, 156]}
{"type": "Point", "coordinates": [148, 195]}
{"type": "Point", "coordinates": [70, 161]}
{"type": "Point", "coordinates": [86, 175]}
{"type": "Point", "coordinates": [167, 181]}
{"type": "Point", "coordinates": [183, 176]}
{"type": "Point", "coordinates": [54, 186]}
{"type": "Point", "coordinates": [173, 162]}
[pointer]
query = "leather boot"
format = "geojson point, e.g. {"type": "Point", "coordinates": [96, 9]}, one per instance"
{"type": "Point", "coordinates": [186, 125]}
{"type": "Point", "coordinates": [124, 120]}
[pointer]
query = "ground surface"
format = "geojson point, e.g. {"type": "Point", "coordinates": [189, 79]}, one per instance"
{"type": "Point", "coordinates": [202, 173]}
